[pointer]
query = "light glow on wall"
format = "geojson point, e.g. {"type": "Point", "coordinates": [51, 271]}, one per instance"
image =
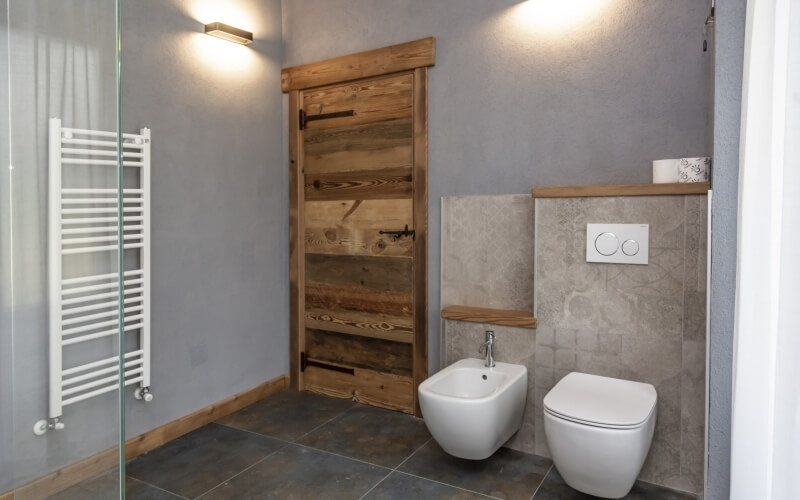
{"type": "Point", "coordinates": [229, 12]}
{"type": "Point", "coordinates": [222, 56]}
{"type": "Point", "coordinates": [558, 17]}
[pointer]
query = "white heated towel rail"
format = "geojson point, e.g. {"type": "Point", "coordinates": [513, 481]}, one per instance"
{"type": "Point", "coordinates": [84, 307]}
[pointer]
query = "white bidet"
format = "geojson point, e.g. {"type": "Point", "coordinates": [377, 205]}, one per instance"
{"type": "Point", "coordinates": [471, 410]}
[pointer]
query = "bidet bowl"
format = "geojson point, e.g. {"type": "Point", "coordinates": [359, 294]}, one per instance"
{"type": "Point", "coordinates": [471, 410]}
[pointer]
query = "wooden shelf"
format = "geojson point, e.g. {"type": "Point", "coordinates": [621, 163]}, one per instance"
{"type": "Point", "coordinates": [521, 319]}
{"type": "Point", "coordinates": [621, 190]}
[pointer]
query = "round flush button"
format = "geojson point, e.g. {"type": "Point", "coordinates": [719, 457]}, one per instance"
{"type": "Point", "coordinates": [630, 247]}
{"type": "Point", "coordinates": [606, 243]}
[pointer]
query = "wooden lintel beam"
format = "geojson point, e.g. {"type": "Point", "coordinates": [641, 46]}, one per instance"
{"type": "Point", "coordinates": [392, 59]}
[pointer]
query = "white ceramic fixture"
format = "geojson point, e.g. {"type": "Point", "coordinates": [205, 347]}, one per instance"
{"type": "Point", "coordinates": [471, 410]}
{"type": "Point", "coordinates": [599, 431]}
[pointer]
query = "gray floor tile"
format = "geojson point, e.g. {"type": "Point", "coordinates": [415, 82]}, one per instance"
{"type": "Point", "coordinates": [400, 486]}
{"type": "Point", "coordinates": [106, 486]}
{"type": "Point", "coordinates": [288, 414]}
{"type": "Point", "coordinates": [377, 436]}
{"type": "Point", "coordinates": [301, 473]}
{"type": "Point", "coordinates": [200, 460]}
{"type": "Point", "coordinates": [554, 488]}
{"type": "Point", "coordinates": [225, 462]}
{"type": "Point", "coordinates": [507, 474]}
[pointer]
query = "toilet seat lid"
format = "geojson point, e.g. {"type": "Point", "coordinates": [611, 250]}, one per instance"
{"type": "Point", "coordinates": [601, 401]}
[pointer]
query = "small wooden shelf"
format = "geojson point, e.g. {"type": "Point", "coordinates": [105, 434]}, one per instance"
{"type": "Point", "coordinates": [504, 317]}
{"type": "Point", "coordinates": [620, 190]}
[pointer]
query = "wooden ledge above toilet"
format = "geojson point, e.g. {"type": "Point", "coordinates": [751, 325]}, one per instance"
{"type": "Point", "coordinates": [621, 190]}
{"type": "Point", "coordinates": [503, 317]}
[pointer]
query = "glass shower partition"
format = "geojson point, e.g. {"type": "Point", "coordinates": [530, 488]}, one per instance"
{"type": "Point", "coordinates": [60, 259]}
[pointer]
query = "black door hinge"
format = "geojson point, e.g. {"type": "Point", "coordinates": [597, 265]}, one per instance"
{"type": "Point", "coordinates": [304, 118]}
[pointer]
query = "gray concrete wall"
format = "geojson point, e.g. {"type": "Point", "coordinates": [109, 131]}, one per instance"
{"type": "Point", "coordinates": [728, 62]}
{"type": "Point", "coordinates": [220, 200]}
{"type": "Point", "coordinates": [515, 105]}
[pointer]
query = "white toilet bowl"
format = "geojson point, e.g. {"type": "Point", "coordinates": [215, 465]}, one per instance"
{"type": "Point", "coordinates": [599, 431]}
{"type": "Point", "coordinates": [472, 410]}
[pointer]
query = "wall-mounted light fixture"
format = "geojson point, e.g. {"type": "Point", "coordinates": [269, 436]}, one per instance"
{"type": "Point", "coordinates": [221, 30]}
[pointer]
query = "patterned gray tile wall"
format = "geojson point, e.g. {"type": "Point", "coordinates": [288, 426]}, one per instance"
{"type": "Point", "coordinates": [644, 323]}
{"type": "Point", "coordinates": [486, 251]}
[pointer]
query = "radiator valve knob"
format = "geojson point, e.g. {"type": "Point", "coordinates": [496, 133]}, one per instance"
{"type": "Point", "coordinates": [143, 394]}
{"type": "Point", "coordinates": [40, 427]}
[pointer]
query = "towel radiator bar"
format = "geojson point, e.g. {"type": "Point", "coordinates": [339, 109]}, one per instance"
{"type": "Point", "coordinates": [85, 307]}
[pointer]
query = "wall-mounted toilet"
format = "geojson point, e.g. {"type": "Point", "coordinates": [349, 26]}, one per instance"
{"type": "Point", "coordinates": [599, 430]}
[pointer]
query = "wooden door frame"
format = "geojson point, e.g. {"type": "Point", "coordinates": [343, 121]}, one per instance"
{"type": "Point", "coordinates": [414, 56]}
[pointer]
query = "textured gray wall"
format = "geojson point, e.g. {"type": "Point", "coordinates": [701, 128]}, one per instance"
{"type": "Point", "coordinates": [220, 200]}
{"type": "Point", "coordinates": [513, 106]}
{"type": "Point", "coordinates": [728, 62]}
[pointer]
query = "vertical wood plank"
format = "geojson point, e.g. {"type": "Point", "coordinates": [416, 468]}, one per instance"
{"type": "Point", "coordinates": [420, 194]}
{"type": "Point", "coordinates": [296, 243]}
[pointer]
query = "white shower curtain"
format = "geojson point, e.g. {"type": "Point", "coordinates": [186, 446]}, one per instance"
{"type": "Point", "coordinates": [765, 451]}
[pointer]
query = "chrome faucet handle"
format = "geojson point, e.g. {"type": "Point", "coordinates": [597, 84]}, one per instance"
{"type": "Point", "coordinates": [489, 341]}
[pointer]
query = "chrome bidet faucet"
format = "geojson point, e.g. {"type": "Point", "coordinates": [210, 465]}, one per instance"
{"type": "Point", "coordinates": [488, 346]}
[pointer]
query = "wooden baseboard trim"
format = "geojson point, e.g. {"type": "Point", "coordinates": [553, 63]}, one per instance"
{"type": "Point", "coordinates": [177, 428]}
{"type": "Point", "coordinates": [105, 460]}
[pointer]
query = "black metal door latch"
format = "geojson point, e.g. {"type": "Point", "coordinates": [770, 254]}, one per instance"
{"type": "Point", "coordinates": [398, 234]}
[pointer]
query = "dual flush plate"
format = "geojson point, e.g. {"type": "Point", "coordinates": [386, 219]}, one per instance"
{"type": "Point", "coordinates": [617, 243]}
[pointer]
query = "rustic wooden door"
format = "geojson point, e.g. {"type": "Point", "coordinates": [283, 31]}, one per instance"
{"type": "Point", "coordinates": [359, 230]}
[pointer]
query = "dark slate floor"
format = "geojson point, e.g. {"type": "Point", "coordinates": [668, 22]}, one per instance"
{"type": "Point", "coordinates": [304, 446]}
